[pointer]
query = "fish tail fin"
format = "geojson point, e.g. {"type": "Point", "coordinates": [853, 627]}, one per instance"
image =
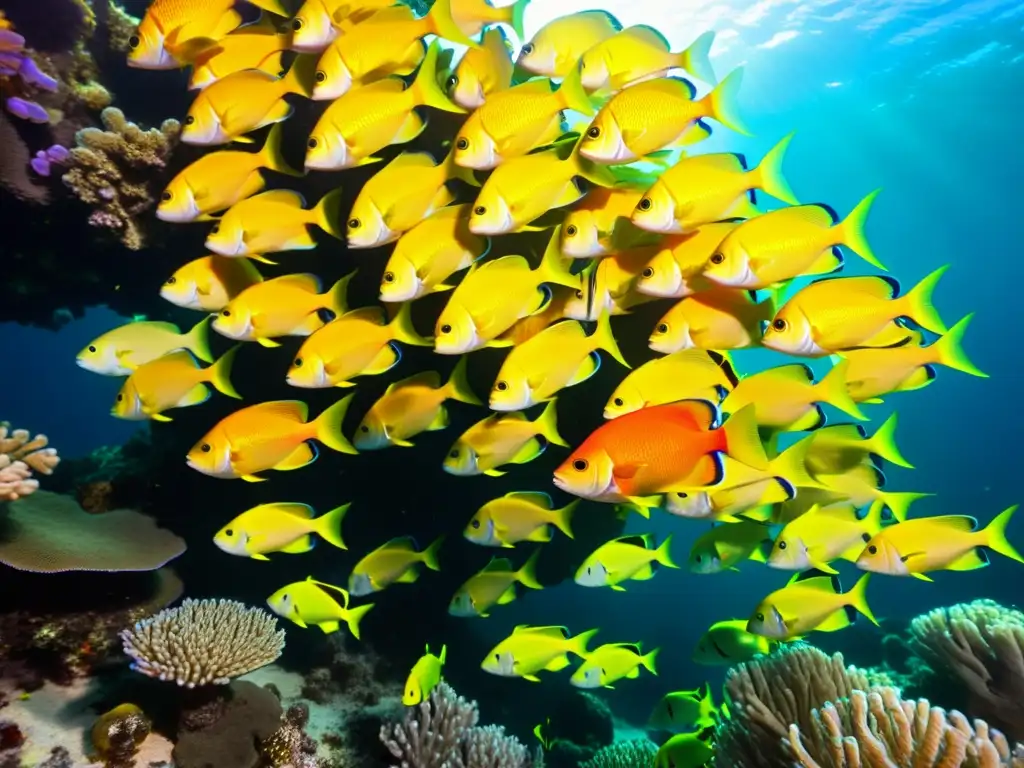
{"type": "Point", "coordinates": [873, 518]}
{"type": "Point", "coordinates": [554, 267]}
{"type": "Point", "coordinates": [791, 466]}
{"type": "Point", "coordinates": [272, 156]}
{"type": "Point", "coordinates": [663, 554]}
{"type": "Point", "coordinates": [919, 306]}
{"type": "Point", "coordinates": [858, 598]}
{"type": "Point", "coordinates": [355, 615]}
{"type": "Point", "coordinates": [427, 87]}
{"type": "Point", "coordinates": [949, 350]}
{"type": "Point", "coordinates": [458, 387]}
{"type": "Point", "coordinates": [769, 175]}
{"type": "Point", "coordinates": [328, 426]}
{"type": "Point", "coordinates": [453, 170]}
{"type": "Point", "coordinates": [547, 424]}
{"type": "Point", "coordinates": [578, 644]}
{"type": "Point", "coordinates": [649, 660]}
{"type": "Point", "coordinates": [832, 389]}
{"type": "Point", "coordinates": [197, 340]}
{"type": "Point", "coordinates": [403, 328]}
{"type": "Point", "coordinates": [430, 554]}
{"type": "Point", "coordinates": [517, 16]}
{"type": "Point", "coordinates": [883, 443]}
{"type": "Point", "coordinates": [276, 7]}
{"type": "Point", "coordinates": [328, 526]}
{"type": "Point", "coordinates": [562, 518]}
{"type": "Point", "coordinates": [220, 373]}
{"type": "Point", "coordinates": [852, 231]}
{"type": "Point", "coordinates": [327, 213]}
{"type": "Point", "coordinates": [604, 338]}
{"type": "Point", "coordinates": [697, 58]}
{"type": "Point", "coordinates": [527, 575]}
{"type": "Point", "coordinates": [742, 439]}
{"type": "Point", "coordinates": [899, 502]}
{"type": "Point", "coordinates": [337, 297]}
{"type": "Point", "coordinates": [301, 77]}
{"type": "Point", "coordinates": [721, 102]}
{"type": "Point", "coordinates": [995, 535]}
{"type": "Point", "coordinates": [572, 95]}
{"type": "Point", "coordinates": [443, 24]}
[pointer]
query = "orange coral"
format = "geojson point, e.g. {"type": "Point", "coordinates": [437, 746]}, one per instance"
{"type": "Point", "coordinates": [21, 455]}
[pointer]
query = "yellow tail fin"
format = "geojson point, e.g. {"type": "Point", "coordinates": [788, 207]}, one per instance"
{"type": "Point", "coordinates": [883, 443]}
{"type": "Point", "coordinates": [328, 526]}
{"type": "Point", "coordinates": [328, 427]}
{"type": "Point", "coordinates": [426, 88]}
{"type": "Point", "coordinates": [554, 267]}
{"type": "Point", "coordinates": [403, 330]}
{"type": "Point", "coordinates": [337, 297]}
{"type": "Point", "coordinates": [852, 234]}
{"type": "Point", "coordinates": [219, 374]}
{"type": "Point", "coordinates": [899, 502]}
{"type": "Point", "coordinates": [769, 176]}
{"type": "Point", "coordinates": [918, 302]}
{"type": "Point", "coordinates": [355, 615]}
{"type": "Point", "coordinates": [742, 440]}
{"type": "Point", "coordinates": [527, 575]}
{"type": "Point", "coordinates": [663, 554]}
{"type": "Point", "coordinates": [327, 213]}
{"type": "Point", "coordinates": [697, 58]}
{"type": "Point", "coordinates": [720, 104]}
{"type": "Point", "coordinates": [301, 77]}
{"type": "Point", "coordinates": [859, 599]}
{"type": "Point", "coordinates": [272, 157]}
{"type": "Point", "coordinates": [949, 350]}
{"type": "Point", "coordinates": [458, 387]}
{"type": "Point", "coordinates": [430, 554]}
{"type": "Point", "coordinates": [443, 24]}
{"type": "Point", "coordinates": [547, 425]}
{"type": "Point", "coordinates": [197, 340]}
{"type": "Point", "coordinates": [995, 535]}
{"type": "Point", "coordinates": [571, 94]}
{"type": "Point", "coordinates": [605, 339]}
{"type": "Point", "coordinates": [578, 644]}
{"type": "Point", "coordinates": [562, 518]}
{"type": "Point", "coordinates": [832, 390]}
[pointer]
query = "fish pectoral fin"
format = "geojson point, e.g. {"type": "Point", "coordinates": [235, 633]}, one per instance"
{"type": "Point", "coordinates": [254, 479]}
{"type": "Point", "coordinates": [974, 559]}
{"type": "Point", "coordinates": [633, 673]}
{"type": "Point", "coordinates": [922, 577]}
{"type": "Point", "coordinates": [645, 573]}
{"type": "Point", "coordinates": [440, 420]}
{"type": "Point", "coordinates": [531, 678]}
{"type": "Point", "coordinates": [528, 452]}
{"type": "Point", "coordinates": [409, 576]}
{"type": "Point", "coordinates": [558, 663]}
{"type": "Point", "coordinates": [302, 456]}
{"type": "Point", "coordinates": [383, 361]}
{"type": "Point", "coordinates": [160, 417]}
{"type": "Point", "coordinates": [329, 626]}
{"type": "Point", "coordinates": [627, 471]}
{"type": "Point", "coordinates": [824, 567]}
{"type": "Point", "coordinates": [493, 473]}
{"type": "Point", "coordinates": [499, 343]}
{"type": "Point", "coordinates": [507, 596]}
{"type": "Point", "coordinates": [617, 587]}
{"type": "Point", "coordinates": [268, 343]}
{"type": "Point", "coordinates": [200, 393]}
{"type": "Point", "coordinates": [300, 545]}
{"type": "Point", "coordinates": [837, 620]}
{"type": "Point", "coordinates": [258, 556]}
{"type": "Point", "coordinates": [402, 443]}
{"type": "Point", "coordinates": [587, 369]}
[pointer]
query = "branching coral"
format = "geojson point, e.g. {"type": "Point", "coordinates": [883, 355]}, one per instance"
{"type": "Point", "coordinates": [117, 171]}
{"type": "Point", "coordinates": [624, 754]}
{"type": "Point", "coordinates": [879, 730]}
{"type": "Point", "coordinates": [204, 642]}
{"type": "Point", "coordinates": [21, 455]}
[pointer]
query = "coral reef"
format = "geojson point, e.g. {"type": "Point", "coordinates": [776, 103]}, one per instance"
{"type": "Point", "coordinates": [21, 455]}
{"type": "Point", "coordinates": [112, 170]}
{"type": "Point", "coordinates": [204, 642]}
{"type": "Point", "coordinates": [117, 734]}
{"type": "Point", "coordinates": [290, 746]}
{"type": "Point", "coordinates": [19, 74]}
{"type": "Point", "coordinates": [624, 754]}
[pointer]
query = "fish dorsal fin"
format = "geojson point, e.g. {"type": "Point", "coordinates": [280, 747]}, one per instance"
{"type": "Point", "coordinates": [875, 286]}
{"type": "Point", "coordinates": [502, 564]}
{"type": "Point", "coordinates": [605, 15]}
{"type": "Point", "coordinates": [374, 315]}
{"type": "Point", "coordinates": [564, 329]}
{"type": "Point", "coordinates": [281, 197]}
{"type": "Point", "coordinates": [407, 543]}
{"type": "Point", "coordinates": [643, 540]}
{"type": "Point", "coordinates": [634, 647]}
{"type": "Point", "coordinates": [818, 214]}
{"type": "Point", "coordinates": [413, 160]}
{"type": "Point", "coordinates": [815, 579]}
{"type": "Point", "coordinates": [647, 35]}
{"type": "Point", "coordinates": [845, 431]}
{"type": "Point", "coordinates": [430, 379]}
{"type": "Point", "coordinates": [532, 497]}
{"type": "Point", "coordinates": [559, 632]}
{"type": "Point", "coordinates": [963, 523]}
{"type": "Point", "coordinates": [540, 85]}
{"type": "Point", "coordinates": [303, 281]}
{"type": "Point", "coordinates": [297, 510]}
{"type": "Point", "coordinates": [704, 412]}
{"type": "Point", "coordinates": [799, 373]}
{"type": "Point", "coordinates": [292, 410]}
{"type": "Point", "coordinates": [507, 263]}
{"type": "Point", "coordinates": [180, 357]}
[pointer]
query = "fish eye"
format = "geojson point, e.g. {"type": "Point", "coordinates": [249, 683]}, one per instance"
{"type": "Point", "coordinates": [644, 204]}
{"type": "Point", "coordinates": [453, 81]}
{"type": "Point", "coordinates": [215, 229]}
{"type": "Point", "coordinates": [134, 41]}
{"type": "Point", "coordinates": [364, 428]}
{"type": "Point", "coordinates": [389, 277]}
{"type": "Point", "coordinates": [92, 348]}
{"type": "Point", "coordinates": [166, 195]}
{"type": "Point", "coordinates": [120, 398]}
{"type": "Point", "coordinates": [872, 550]}
{"type": "Point", "coordinates": [717, 258]}
{"type": "Point", "coordinates": [619, 402]}
{"type": "Point", "coordinates": [527, 49]}
{"type": "Point", "coordinates": [462, 143]}
{"type": "Point", "coordinates": [759, 617]}
{"type": "Point", "coordinates": [779, 324]}
{"type": "Point", "coordinates": [699, 558]}
{"type": "Point", "coordinates": [681, 494]}
{"type": "Point", "coordinates": [580, 465]}
{"type": "Point", "coordinates": [297, 24]}
{"type": "Point", "coordinates": [171, 280]}
{"type": "Point", "coordinates": [205, 447]}
{"type": "Point", "coordinates": [225, 313]}
{"type": "Point", "coordinates": [866, 537]}
{"type": "Point", "coordinates": [588, 570]}
{"type": "Point", "coordinates": [354, 223]}
{"type": "Point", "coordinates": [648, 272]}
{"type": "Point", "coordinates": [579, 294]}
{"type": "Point", "coordinates": [297, 362]}
{"type": "Point", "coordinates": [662, 328]}
{"type": "Point", "coordinates": [454, 453]}
{"type": "Point", "coordinates": [594, 132]}
{"type": "Point", "coordinates": [480, 210]}
{"type": "Point", "coordinates": [190, 120]}
{"type": "Point", "coordinates": [475, 523]}
{"type": "Point", "coordinates": [571, 230]}
{"type": "Point", "coordinates": [501, 386]}
{"type": "Point", "coordinates": [446, 328]}
{"type": "Point", "coordinates": [228, 532]}
{"type": "Point", "coordinates": [320, 76]}
{"type": "Point", "coordinates": [311, 144]}
{"type": "Point", "coordinates": [782, 545]}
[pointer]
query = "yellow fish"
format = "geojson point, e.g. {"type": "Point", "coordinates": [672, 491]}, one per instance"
{"type": "Point", "coordinates": [275, 435]}
{"type": "Point", "coordinates": [280, 527]}
{"type": "Point", "coordinates": [526, 328]}
{"type": "Point", "coordinates": [172, 381]}
{"type": "Point", "coordinates": [822, 535]}
{"type": "Point", "coordinates": [612, 662]}
{"type": "Point", "coordinates": [699, 190]}
{"type": "Point", "coordinates": [690, 374]}
{"type": "Point", "coordinates": [519, 516]}
{"type": "Point", "coordinates": [289, 305]}
{"type": "Point", "coordinates": [427, 255]}
{"type": "Point", "coordinates": [677, 270]}
{"type": "Point", "coordinates": [357, 343]}
{"type": "Point", "coordinates": [482, 71]}
{"type": "Point", "coordinates": [423, 677]}
{"type": "Point", "coordinates": [210, 282]}
{"type": "Point", "coordinates": [640, 53]}
{"type": "Point", "coordinates": [309, 603]}
{"type": "Point", "coordinates": [599, 224]}
{"type": "Point", "coordinates": [401, 195]}
{"type": "Point", "coordinates": [496, 584]}
{"type": "Point", "coordinates": [556, 48]}
{"type": "Point", "coordinates": [244, 101]}
{"type": "Point", "coordinates": [944, 543]}
{"type": "Point", "coordinates": [656, 115]}
{"type": "Point", "coordinates": [501, 439]}
{"type": "Point", "coordinates": [253, 46]}
{"type": "Point", "coordinates": [318, 22]}
{"type": "Point", "coordinates": [722, 318]}
{"type": "Point", "coordinates": [472, 16]}
{"type": "Point", "coordinates": [872, 373]}
{"type": "Point", "coordinates": [859, 485]}
{"type": "Point", "coordinates": [412, 406]}
{"type": "Point", "coordinates": [609, 285]}
{"type": "Point", "coordinates": [494, 295]}
{"type": "Point", "coordinates": [627, 557]}
{"type": "Point", "coordinates": [787, 398]}
{"type": "Point", "coordinates": [728, 643]}
{"type": "Point", "coordinates": [788, 243]}
{"type": "Point", "coordinates": [841, 313]}
{"type": "Point", "coordinates": [727, 545]}
{"type": "Point", "coordinates": [681, 710]}
{"type": "Point", "coordinates": [124, 349]}
{"type": "Point", "coordinates": [513, 122]}
{"type": "Point", "coordinates": [842, 447]}
{"type": "Point", "coordinates": [217, 181]}
{"type": "Point", "coordinates": [393, 562]}
{"type": "Point", "coordinates": [687, 750]}
{"type": "Point", "coordinates": [369, 118]}
{"type": "Point", "coordinates": [810, 603]}
{"type": "Point", "coordinates": [274, 221]}
{"type": "Point", "coordinates": [557, 357]}
{"type": "Point", "coordinates": [530, 650]}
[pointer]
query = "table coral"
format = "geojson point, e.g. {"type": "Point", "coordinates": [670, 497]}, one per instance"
{"type": "Point", "coordinates": [119, 171]}
{"type": "Point", "coordinates": [21, 455]}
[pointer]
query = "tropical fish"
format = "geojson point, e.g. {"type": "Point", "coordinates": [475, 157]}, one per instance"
{"type": "Point", "coordinates": [810, 602]}
{"type": "Point", "coordinates": [676, 271]}
{"type": "Point", "coordinates": [393, 562]}
{"type": "Point", "coordinates": [690, 374]}
{"type": "Point", "coordinates": [721, 318]}
{"type": "Point", "coordinates": [860, 485]}
{"type": "Point", "coordinates": [210, 282]}
{"type": "Point", "coordinates": [529, 650]}
{"type": "Point", "coordinates": [125, 348]}
{"type": "Point", "coordinates": [608, 285]}
{"type": "Point", "coordinates": [482, 71]}
{"type": "Point", "coordinates": [599, 224]}
{"type": "Point", "coordinates": [309, 603]}
{"type": "Point", "coordinates": [519, 516]}
{"type": "Point", "coordinates": [687, 750]}
{"type": "Point", "coordinates": [280, 527]}
{"type": "Point", "coordinates": [501, 439]}
{"type": "Point", "coordinates": [680, 711]}
{"type": "Point", "coordinates": [274, 435]}
{"type": "Point", "coordinates": [612, 662]}
{"type": "Point", "coordinates": [496, 584]}
{"type": "Point", "coordinates": [842, 447]}
{"type": "Point", "coordinates": [639, 53]}
{"type": "Point", "coordinates": [273, 221]}
{"type": "Point", "coordinates": [627, 557]}
{"type": "Point", "coordinates": [173, 381]}
{"type": "Point", "coordinates": [318, 22]}
{"type": "Point", "coordinates": [819, 536]}
{"type": "Point", "coordinates": [841, 313]}
{"type": "Point", "coordinates": [472, 16]}
{"type": "Point", "coordinates": [289, 305]}
{"type": "Point", "coordinates": [252, 46]}
{"type": "Point", "coordinates": [727, 545]}
{"type": "Point", "coordinates": [556, 48]}
{"type": "Point", "coordinates": [729, 643]}
{"type": "Point", "coordinates": [423, 677]}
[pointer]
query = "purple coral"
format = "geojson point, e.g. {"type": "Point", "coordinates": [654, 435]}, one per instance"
{"type": "Point", "coordinates": [15, 62]}
{"type": "Point", "coordinates": [55, 155]}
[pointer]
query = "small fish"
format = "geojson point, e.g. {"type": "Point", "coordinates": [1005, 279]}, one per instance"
{"type": "Point", "coordinates": [173, 381]}
{"type": "Point", "coordinates": [412, 406]}
{"type": "Point", "coordinates": [482, 71]}
{"type": "Point", "coordinates": [727, 545]}
{"type": "Point", "coordinates": [519, 516]}
{"type": "Point", "coordinates": [423, 677]}
{"type": "Point", "coordinates": [217, 181]}
{"type": "Point", "coordinates": [612, 662]}
{"type": "Point", "coordinates": [687, 750]}
{"type": "Point", "coordinates": [526, 328]}
{"type": "Point", "coordinates": [819, 536]}
{"type": "Point", "coordinates": [275, 435]}
{"type": "Point", "coordinates": [210, 282]}
{"type": "Point", "coordinates": [627, 557]}
{"type": "Point", "coordinates": [252, 46]}
{"type": "Point", "coordinates": [681, 711]}
{"type": "Point", "coordinates": [309, 603]}
{"type": "Point", "coordinates": [127, 347]}
{"type": "Point", "coordinates": [860, 485]}
{"type": "Point", "coordinates": [273, 221]}
{"type": "Point", "coordinates": [357, 343]}
{"type": "Point", "coordinates": [426, 256]}
{"type": "Point", "coordinates": [659, 449]}
{"type": "Point", "coordinates": [289, 305]}
{"type": "Point", "coordinates": [280, 527]}
{"type": "Point", "coordinates": [721, 318]}
{"type": "Point", "coordinates": [599, 224]}
{"type": "Point", "coordinates": [609, 285]}
{"type": "Point", "coordinates": [386, 112]}
{"type": "Point", "coordinates": [502, 439]}
{"type": "Point", "coordinates": [729, 643]}
{"type": "Point", "coordinates": [788, 399]}
{"type": "Point", "coordinates": [318, 22]}
{"type": "Point", "coordinates": [530, 650]}
{"type": "Point", "coordinates": [496, 584]}
{"type": "Point", "coordinates": [640, 53]}
{"type": "Point", "coordinates": [690, 374]}
{"type": "Point", "coordinates": [790, 242]}
{"type": "Point", "coordinates": [808, 603]}
{"type": "Point", "coordinates": [843, 447]}
{"type": "Point", "coordinates": [556, 48]}
{"type": "Point", "coordinates": [394, 562]}
{"type": "Point", "coordinates": [873, 373]}
{"type": "Point", "coordinates": [697, 191]}
{"type": "Point", "coordinates": [841, 313]}
{"type": "Point", "coordinates": [943, 543]}
{"type": "Point", "coordinates": [677, 270]}
{"type": "Point", "coordinates": [472, 16]}
{"type": "Point", "coordinates": [657, 115]}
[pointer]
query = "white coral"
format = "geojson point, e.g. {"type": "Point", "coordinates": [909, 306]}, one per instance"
{"type": "Point", "coordinates": [21, 456]}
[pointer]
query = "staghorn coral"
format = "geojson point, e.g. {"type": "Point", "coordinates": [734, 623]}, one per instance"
{"type": "Point", "coordinates": [204, 642]}
{"type": "Point", "coordinates": [879, 730]}
{"type": "Point", "coordinates": [624, 754]}
{"type": "Point", "coordinates": [982, 642]}
{"type": "Point", "coordinates": [117, 171]}
{"type": "Point", "coordinates": [21, 455]}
